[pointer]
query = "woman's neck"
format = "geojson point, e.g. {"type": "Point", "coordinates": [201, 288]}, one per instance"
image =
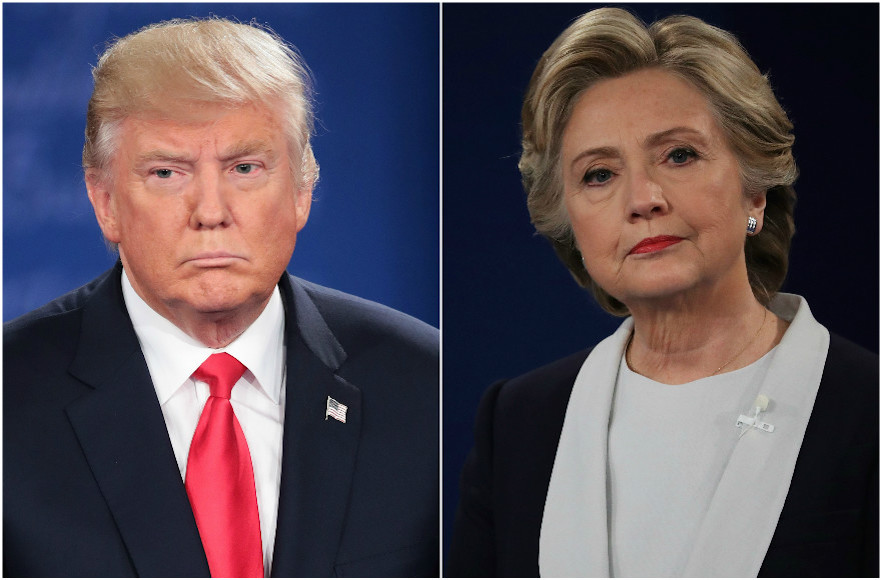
{"type": "Point", "coordinates": [685, 339]}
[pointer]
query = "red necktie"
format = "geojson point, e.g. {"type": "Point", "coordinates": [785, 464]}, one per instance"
{"type": "Point", "coordinates": [220, 478]}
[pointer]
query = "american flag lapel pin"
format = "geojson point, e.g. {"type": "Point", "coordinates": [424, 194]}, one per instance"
{"type": "Point", "coordinates": [336, 410]}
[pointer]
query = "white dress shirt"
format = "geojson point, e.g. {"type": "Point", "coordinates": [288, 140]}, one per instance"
{"type": "Point", "coordinates": [257, 398]}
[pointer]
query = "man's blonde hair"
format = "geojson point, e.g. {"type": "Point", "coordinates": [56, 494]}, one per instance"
{"type": "Point", "coordinates": [162, 66]}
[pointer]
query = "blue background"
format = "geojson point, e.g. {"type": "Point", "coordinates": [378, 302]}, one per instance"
{"type": "Point", "coordinates": [510, 306]}
{"type": "Point", "coordinates": [374, 225]}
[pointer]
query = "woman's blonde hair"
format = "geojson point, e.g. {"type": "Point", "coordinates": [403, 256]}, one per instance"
{"type": "Point", "coordinates": [609, 42]}
{"type": "Point", "coordinates": [161, 66]}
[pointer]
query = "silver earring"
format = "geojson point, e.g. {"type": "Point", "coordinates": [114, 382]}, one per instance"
{"type": "Point", "coordinates": [751, 226]}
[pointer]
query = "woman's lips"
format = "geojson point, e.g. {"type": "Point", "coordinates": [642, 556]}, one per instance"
{"type": "Point", "coordinates": [655, 244]}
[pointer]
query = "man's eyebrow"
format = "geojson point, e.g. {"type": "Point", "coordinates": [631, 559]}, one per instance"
{"type": "Point", "coordinates": [245, 148]}
{"type": "Point", "coordinates": [162, 155]}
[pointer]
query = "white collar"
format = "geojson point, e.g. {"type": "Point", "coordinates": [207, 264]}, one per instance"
{"type": "Point", "coordinates": [737, 529]}
{"type": "Point", "coordinates": [172, 355]}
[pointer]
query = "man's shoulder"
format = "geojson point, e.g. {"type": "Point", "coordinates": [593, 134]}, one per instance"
{"type": "Point", "coordinates": [355, 319]}
{"type": "Point", "coordinates": [39, 346]}
{"type": "Point", "coordinates": [54, 315]}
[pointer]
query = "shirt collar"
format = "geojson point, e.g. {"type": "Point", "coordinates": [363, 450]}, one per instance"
{"type": "Point", "coordinates": [172, 355]}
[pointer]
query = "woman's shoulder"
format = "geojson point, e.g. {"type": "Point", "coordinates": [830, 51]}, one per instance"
{"type": "Point", "coordinates": [563, 370]}
{"type": "Point", "coordinates": [845, 354]}
{"type": "Point", "coordinates": [505, 478]}
{"type": "Point", "coordinates": [845, 414]}
{"type": "Point", "coordinates": [851, 371]}
{"type": "Point", "coordinates": [542, 392]}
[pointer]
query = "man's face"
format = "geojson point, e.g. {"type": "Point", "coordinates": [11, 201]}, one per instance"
{"type": "Point", "coordinates": [205, 211]}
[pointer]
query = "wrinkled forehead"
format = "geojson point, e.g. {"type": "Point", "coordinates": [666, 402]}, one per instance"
{"type": "Point", "coordinates": [189, 131]}
{"type": "Point", "coordinates": [229, 123]}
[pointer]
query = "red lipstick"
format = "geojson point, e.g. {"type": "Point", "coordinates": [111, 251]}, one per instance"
{"type": "Point", "coordinates": [649, 245]}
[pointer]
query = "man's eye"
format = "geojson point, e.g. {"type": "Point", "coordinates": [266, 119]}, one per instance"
{"type": "Point", "coordinates": [244, 168]}
{"type": "Point", "coordinates": [163, 173]}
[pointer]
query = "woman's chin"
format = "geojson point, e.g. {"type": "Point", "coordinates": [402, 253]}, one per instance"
{"type": "Point", "coordinates": [659, 290]}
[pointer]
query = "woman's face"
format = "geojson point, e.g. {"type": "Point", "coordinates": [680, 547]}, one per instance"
{"type": "Point", "coordinates": [653, 191]}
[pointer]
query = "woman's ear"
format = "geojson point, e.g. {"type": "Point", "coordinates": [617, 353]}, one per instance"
{"type": "Point", "coordinates": [757, 203]}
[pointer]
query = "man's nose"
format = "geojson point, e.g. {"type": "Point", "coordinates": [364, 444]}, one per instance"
{"type": "Point", "coordinates": [210, 202]}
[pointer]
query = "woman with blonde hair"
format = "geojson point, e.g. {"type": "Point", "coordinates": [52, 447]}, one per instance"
{"type": "Point", "coordinates": [721, 430]}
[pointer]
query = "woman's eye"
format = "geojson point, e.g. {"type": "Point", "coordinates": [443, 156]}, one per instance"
{"type": "Point", "coordinates": [244, 168]}
{"type": "Point", "coordinates": [682, 155]}
{"type": "Point", "coordinates": [598, 176]}
{"type": "Point", "coordinates": [163, 173]}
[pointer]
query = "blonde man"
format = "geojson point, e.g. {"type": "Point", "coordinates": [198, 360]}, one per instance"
{"type": "Point", "coordinates": [123, 453]}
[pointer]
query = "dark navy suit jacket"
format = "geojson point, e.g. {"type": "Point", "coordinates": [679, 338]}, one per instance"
{"type": "Point", "coordinates": [828, 526]}
{"type": "Point", "coordinates": [91, 486]}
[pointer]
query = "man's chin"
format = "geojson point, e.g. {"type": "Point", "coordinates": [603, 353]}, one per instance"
{"type": "Point", "coordinates": [218, 302]}
{"type": "Point", "coordinates": [216, 321]}
{"type": "Point", "coordinates": [216, 299]}
{"type": "Point", "coordinates": [223, 308]}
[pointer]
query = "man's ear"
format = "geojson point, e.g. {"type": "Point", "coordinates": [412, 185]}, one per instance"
{"type": "Point", "coordinates": [303, 205]}
{"type": "Point", "coordinates": [98, 186]}
{"type": "Point", "coordinates": [306, 181]}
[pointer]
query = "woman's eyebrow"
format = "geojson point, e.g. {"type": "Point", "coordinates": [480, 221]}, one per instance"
{"type": "Point", "coordinates": [651, 140]}
{"type": "Point", "coordinates": [605, 151]}
{"type": "Point", "coordinates": [656, 138]}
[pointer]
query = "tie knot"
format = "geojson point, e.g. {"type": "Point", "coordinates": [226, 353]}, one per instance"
{"type": "Point", "coordinates": [221, 371]}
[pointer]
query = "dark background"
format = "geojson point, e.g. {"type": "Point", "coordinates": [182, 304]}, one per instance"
{"type": "Point", "coordinates": [374, 225]}
{"type": "Point", "coordinates": [510, 306]}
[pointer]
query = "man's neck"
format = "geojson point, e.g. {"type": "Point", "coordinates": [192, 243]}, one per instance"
{"type": "Point", "coordinates": [211, 329]}
{"type": "Point", "coordinates": [219, 330]}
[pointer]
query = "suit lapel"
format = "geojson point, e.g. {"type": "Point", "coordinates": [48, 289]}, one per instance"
{"type": "Point", "coordinates": [124, 439]}
{"type": "Point", "coordinates": [736, 531]}
{"type": "Point", "coordinates": [319, 453]}
{"type": "Point", "coordinates": [123, 436]}
{"type": "Point", "coordinates": [574, 527]}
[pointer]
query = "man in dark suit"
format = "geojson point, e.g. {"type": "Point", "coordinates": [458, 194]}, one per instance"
{"type": "Point", "coordinates": [199, 168]}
